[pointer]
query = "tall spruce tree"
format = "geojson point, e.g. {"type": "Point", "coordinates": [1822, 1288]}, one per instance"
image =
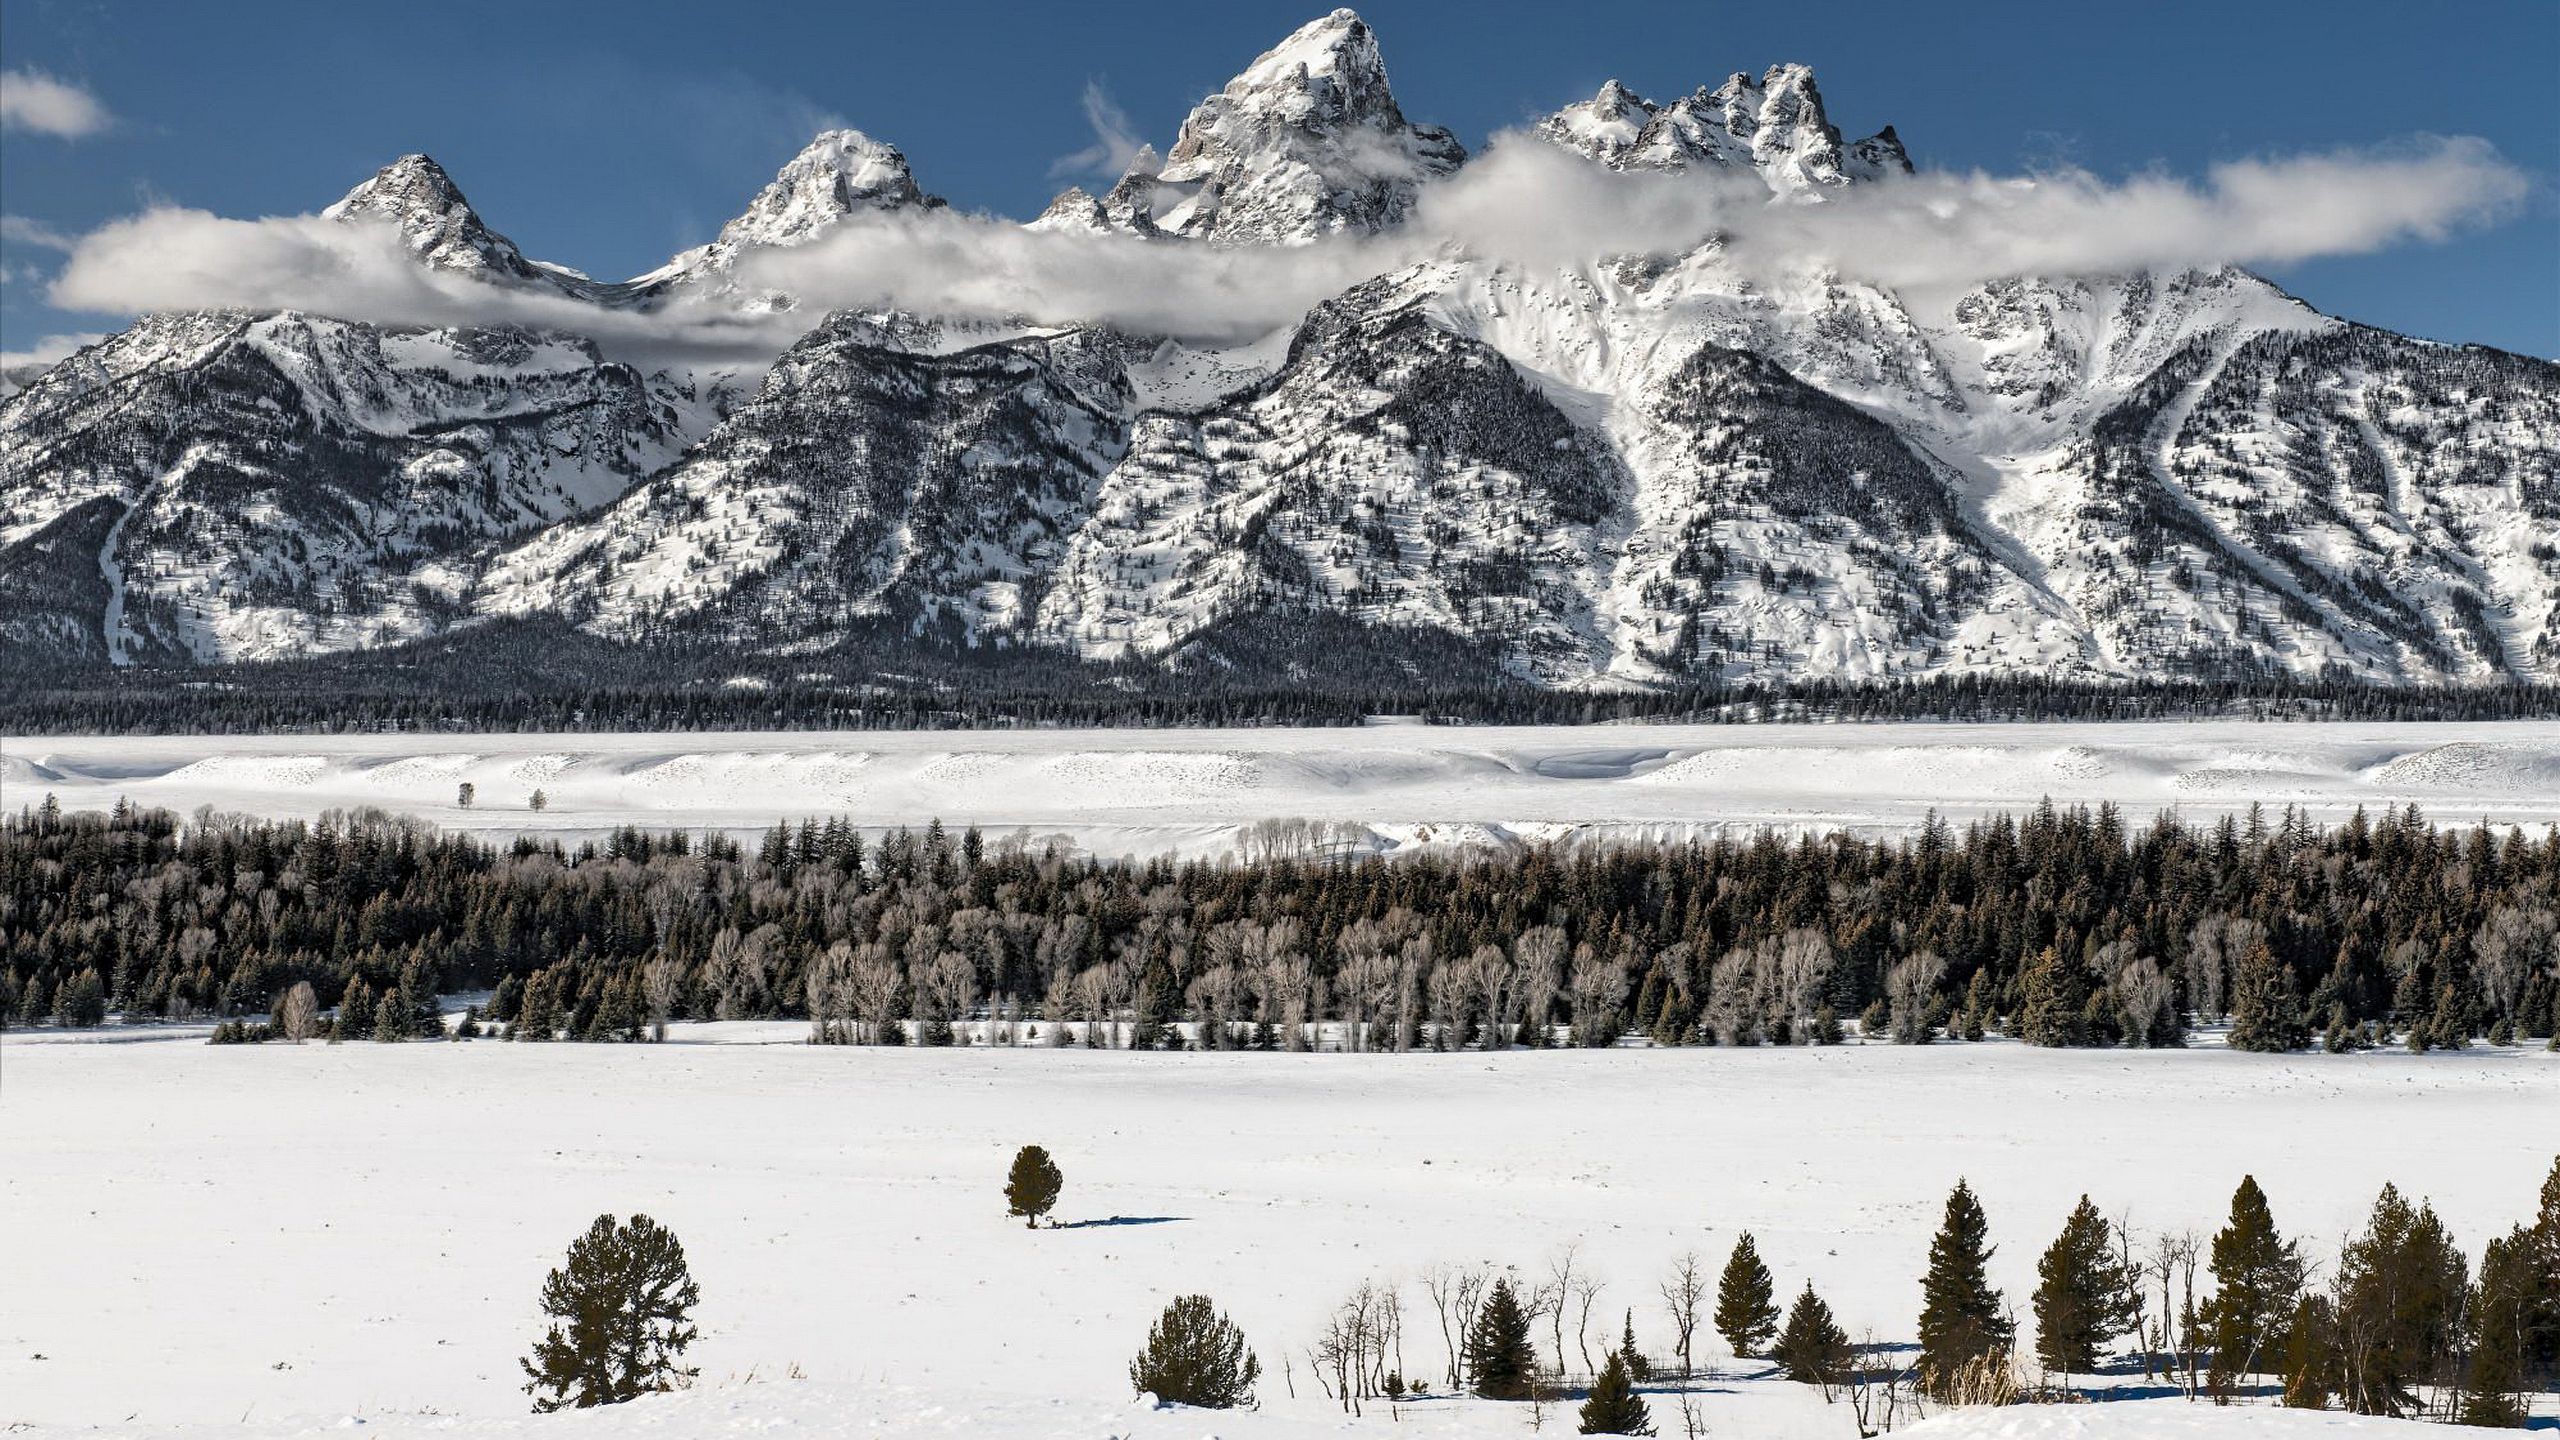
{"type": "Point", "coordinates": [1614, 1407]}
{"type": "Point", "coordinates": [1196, 1356]}
{"type": "Point", "coordinates": [1812, 1349]}
{"type": "Point", "coordinates": [621, 1308]}
{"type": "Point", "coordinates": [2496, 1320]}
{"type": "Point", "coordinates": [1746, 1309]}
{"type": "Point", "coordinates": [2398, 1299]}
{"type": "Point", "coordinates": [2266, 1005]}
{"type": "Point", "coordinates": [1031, 1187]}
{"type": "Point", "coordinates": [1499, 1363]}
{"type": "Point", "coordinates": [1638, 1367]}
{"type": "Point", "coordinates": [1961, 1319]}
{"type": "Point", "coordinates": [2542, 1303]}
{"type": "Point", "coordinates": [2257, 1278]}
{"type": "Point", "coordinates": [2051, 1014]}
{"type": "Point", "coordinates": [2082, 1293]}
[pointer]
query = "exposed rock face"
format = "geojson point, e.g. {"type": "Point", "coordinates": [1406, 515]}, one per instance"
{"type": "Point", "coordinates": [1632, 470]}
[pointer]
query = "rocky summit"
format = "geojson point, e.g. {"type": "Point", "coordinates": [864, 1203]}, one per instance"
{"type": "Point", "coordinates": [1621, 470]}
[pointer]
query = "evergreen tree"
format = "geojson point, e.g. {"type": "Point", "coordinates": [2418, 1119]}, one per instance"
{"type": "Point", "coordinates": [1614, 1407]}
{"type": "Point", "coordinates": [1637, 1366]}
{"type": "Point", "coordinates": [2081, 1293]}
{"type": "Point", "coordinates": [1196, 1356]}
{"type": "Point", "coordinates": [391, 1017]}
{"type": "Point", "coordinates": [1960, 1314]}
{"type": "Point", "coordinates": [621, 1308]}
{"type": "Point", "coordinates": [2052, 1012]}
{"type": "Point", "coordinates": [1746, 1309]}
{"type": "Point", "coordinates": [2266, 1007]}
{"type": "Point", "coordinates": [82, 1001]}
{"type": "Point", "coordinates": [2542, 1301]}
{"type": "Point", "coordinates": [1499, 1363]}
{"type": "Point", "coordinates": [2399, 1293]}
{"type": "Point", "coordinates": [1812, 1349]}
{"type": "Point", "coordinates": [2257, 1277]}
{"type": "Point", "coordinates": [1032, 1186]}
{"type": "Point", "coordinates": [2310, 1354]}
{"type": "Point", "coordinates": [357, 1008]}
{"type": "Point", "coordinates": [2497, 1318]}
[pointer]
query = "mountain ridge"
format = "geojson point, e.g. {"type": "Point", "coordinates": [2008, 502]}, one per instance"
{"type": "Point", "coordinates": [1638, 471]}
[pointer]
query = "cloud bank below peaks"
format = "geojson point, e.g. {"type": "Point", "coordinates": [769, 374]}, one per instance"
{"type": "Point", "coordinates": [1523, 203]}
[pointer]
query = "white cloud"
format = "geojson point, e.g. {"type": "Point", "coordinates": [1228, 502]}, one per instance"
{"type": "Point", "coordinates": [16, 365]}
{"type": "Point", "coordinates": [359, 269]}
{"type": "Point", "coordinates": [1534, 204]}
{"type": "Point", "coordinates": [19, 230]}
{"type": "Point", "coordinates": [1523, 203]}
{"type": "Point", "coordinates": [1115, 139]}
{"type": "Point", "coordinates": [33, 100]}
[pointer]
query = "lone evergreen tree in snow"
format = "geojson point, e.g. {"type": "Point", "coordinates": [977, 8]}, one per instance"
{"type": "Point", "coordinates": [1638, 1368]}
{"type": "Point", "coordinates": [1196, 1356]}
{"type": "Point", "coordinates": [1032, 1186]}
{"type": "Point", "coordinates": [1614, 1407]}
{"type": "Point", "coordinates": [2082, 1293]}
{"type": "Point", "coordinates": [1746, 1315]}
{"type": "Point", "coordinates": [2257, 1276]}
{"type": "Point", "coordinates": [621, 1307]}
{"type": "Point", "coordinates": [1499, 1362]}
{"type": "Point", "coordinates": [1960, 1314]}
{"type": "Point", "coordinates": [1813, 1349]}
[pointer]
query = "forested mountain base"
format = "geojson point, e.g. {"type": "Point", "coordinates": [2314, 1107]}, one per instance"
{"type": "Point", "coordinates": [2060, 927]}
{"type": "Point", "coordinates": [1311, 670]}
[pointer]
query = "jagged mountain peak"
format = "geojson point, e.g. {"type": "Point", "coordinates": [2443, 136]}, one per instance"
{"type": "Point", "coordinates": [415, 194]}
{"type": "Point", "coordinates": [1773, 124]}
{"type": "Point", "coordinates": [1306, 141]}
{"type": "Point", "coordinates": [836, 174]}
{"type": "Point", "coordinates": [839, 173]}
{"type": "Point", "coordinates": [1335, 55]}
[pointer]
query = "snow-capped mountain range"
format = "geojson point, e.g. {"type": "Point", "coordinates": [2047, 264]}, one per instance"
{"type": "Point", "coordinates": [1636, 470]}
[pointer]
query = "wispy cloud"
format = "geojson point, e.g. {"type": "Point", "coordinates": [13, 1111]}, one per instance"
{"type": "Point", "coordinates": [1115, 139]}
{"type": "Point", "coordinates": [1523, 203]}
{"type": "Point", "coordinates": [34, 101]}
{"type": "Point", "coordinates": [19, 230]}
{"type": "Point", "coordinates": [46, 351]}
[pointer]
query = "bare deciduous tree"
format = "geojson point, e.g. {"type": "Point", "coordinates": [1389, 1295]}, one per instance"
{"type": "Point", "coordinates": [1683, 1291]}
{"type": "Point", "coordinates": [299, 1012]}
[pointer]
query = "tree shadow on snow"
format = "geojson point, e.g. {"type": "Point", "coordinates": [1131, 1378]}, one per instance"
{"type": "Point", "coordinates": [1119, 1220]}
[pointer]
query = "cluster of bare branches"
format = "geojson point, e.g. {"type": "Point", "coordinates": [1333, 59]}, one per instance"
{"type": "Point", "coordinates": [1360, 1356]}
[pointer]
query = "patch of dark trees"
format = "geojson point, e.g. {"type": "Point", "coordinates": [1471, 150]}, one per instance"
{"type": "Point", "coordinates": [2059, 927]}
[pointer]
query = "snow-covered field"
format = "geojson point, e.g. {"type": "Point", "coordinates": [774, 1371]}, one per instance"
{"type": "Point", "coordinates": [1149, 791]}
{"type": "Point", "coordinates": [301, 1235]}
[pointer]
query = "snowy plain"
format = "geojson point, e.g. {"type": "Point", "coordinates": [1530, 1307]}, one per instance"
{"type": "Point", "coordinates": [306, 1236]}
{"type": "Point", "coordinates": [1191, 791]}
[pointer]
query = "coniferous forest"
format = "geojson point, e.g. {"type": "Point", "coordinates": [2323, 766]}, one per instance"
{"type": "Point", "coordinates": [2061, 927]}
{"type": "Point", "coordinates": [1311, 670]}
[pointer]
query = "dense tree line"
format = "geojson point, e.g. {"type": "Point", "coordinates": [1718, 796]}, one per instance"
{"type": "Point", "coordinates": [2061, 927]}
{"type": "Point", "coordinates": [1312, 669]}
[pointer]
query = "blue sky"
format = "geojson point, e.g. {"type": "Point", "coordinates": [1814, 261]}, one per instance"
{"type": "Point", "coordinates": [608, 136]}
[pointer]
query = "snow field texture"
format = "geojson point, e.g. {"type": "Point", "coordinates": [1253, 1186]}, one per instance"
{"type": "Point", "coordinates": [1194, 791]}
{"type": "Point", "coordinates": [299, 1235]}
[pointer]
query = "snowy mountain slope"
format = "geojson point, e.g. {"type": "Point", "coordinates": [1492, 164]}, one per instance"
{"type": "Point", "coordinates": [864, 479]}
{"type": "Point", "coordinates": [1634, 470]}
{"type": "Point", "coordinates": [275, 484]}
